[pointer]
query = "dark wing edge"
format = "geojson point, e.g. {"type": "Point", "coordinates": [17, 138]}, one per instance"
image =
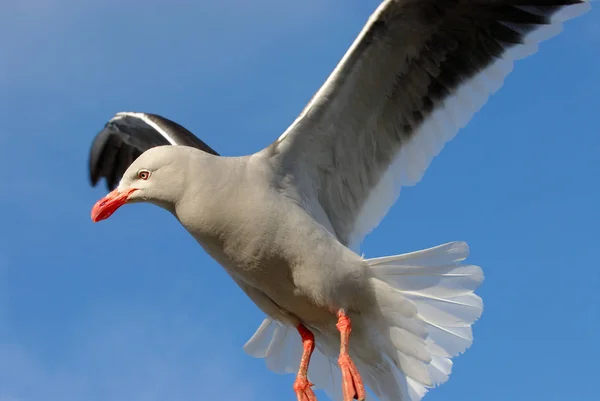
{"type": "Point", "coordinates": [129, 134]}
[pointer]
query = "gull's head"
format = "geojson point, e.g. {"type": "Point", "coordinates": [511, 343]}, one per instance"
{"type": "Point", "coordinates": [157, 177]}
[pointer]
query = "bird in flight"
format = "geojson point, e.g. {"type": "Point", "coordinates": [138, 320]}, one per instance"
{"type": "Point", "coordinates": [286, 222]}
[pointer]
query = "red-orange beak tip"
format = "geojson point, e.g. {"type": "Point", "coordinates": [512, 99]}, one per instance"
{"type": "Point", "coordinates": [106, 206]}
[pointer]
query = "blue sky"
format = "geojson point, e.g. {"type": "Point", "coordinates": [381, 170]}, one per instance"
{"type": "Point", "coordinates": [133, 310]}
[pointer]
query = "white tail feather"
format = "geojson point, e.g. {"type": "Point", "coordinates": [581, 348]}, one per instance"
{"type": "Point", "coordinates": [426, 309]}
{"type": "Point", "coordinates": [280, 345]}
{"type": "Point", "coordinates": [441, 289]}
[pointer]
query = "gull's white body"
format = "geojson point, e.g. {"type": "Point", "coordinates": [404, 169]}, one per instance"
{"type": "Point", "coordinates": [251, 220]}
{"type": "Point", "coordinates": [285, 222]}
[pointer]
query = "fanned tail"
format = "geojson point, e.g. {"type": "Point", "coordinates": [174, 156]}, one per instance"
{"type": "Point", "coordinates": [427, 305]}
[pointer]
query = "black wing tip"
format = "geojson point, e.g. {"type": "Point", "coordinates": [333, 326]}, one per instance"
{"type": "Point", "coordinates": [96, 155]}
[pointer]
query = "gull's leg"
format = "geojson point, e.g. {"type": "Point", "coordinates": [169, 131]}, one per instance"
{"type": "Point", "coordinates": [302, 386]}
{"type": "Point", "coordinates": [352, 384]}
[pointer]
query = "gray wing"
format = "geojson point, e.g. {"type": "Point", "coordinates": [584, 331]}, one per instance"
{"type": "Point", "coordinates": [415, 75]}
{"type": "Point", "coordinates": [126, 136]}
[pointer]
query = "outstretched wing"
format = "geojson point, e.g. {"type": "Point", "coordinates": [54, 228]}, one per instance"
{"type": "Point", "coordinates": [415, 75]}
{"type": "Point", "coordinates": [126, 136]}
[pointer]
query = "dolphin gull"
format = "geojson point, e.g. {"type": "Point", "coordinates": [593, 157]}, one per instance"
{"type": "Point", "coordinates": [285, 222]}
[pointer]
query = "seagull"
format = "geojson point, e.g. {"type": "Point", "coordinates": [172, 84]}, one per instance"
{"type": "Point", "coordinates": [286, 222]}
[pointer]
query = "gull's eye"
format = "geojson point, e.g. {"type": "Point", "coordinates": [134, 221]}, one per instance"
{"type": "Point", "coordinates": [143, 174]}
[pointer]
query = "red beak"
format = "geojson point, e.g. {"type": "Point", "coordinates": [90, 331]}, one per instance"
{"type": "Point", "coordinates": [106, 206]}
